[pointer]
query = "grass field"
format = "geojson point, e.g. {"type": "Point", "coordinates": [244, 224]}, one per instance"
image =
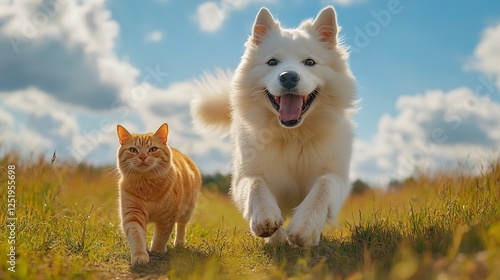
{"type": "Point", "coordinates": [67, 227]}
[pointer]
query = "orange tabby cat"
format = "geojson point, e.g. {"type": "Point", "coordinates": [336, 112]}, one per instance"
{"type": "Point", "coordinates": [159, 185]}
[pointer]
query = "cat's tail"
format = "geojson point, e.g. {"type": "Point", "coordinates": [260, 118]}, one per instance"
{"type": "Point", "coordinates": [210, 107]}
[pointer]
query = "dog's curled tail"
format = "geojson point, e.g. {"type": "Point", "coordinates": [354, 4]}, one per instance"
{"type": "Point", "coordinates": [210, 107]}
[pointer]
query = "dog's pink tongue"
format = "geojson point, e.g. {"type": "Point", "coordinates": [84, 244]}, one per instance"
{"type": "Point", "coordinates": [290, 107]}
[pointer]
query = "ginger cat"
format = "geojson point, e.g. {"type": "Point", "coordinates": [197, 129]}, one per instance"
{"type": "Point", "coordinates": [159, 185]}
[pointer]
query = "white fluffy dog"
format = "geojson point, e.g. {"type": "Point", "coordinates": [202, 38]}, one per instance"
{"type": "Point", "coordinates": [288, 108]}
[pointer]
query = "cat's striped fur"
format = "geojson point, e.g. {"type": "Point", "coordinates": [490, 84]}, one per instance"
{"type": "Point", "coordinates": [159, 185]}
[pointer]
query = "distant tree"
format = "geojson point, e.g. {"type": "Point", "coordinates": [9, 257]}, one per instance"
{"type": "Point", "coordinates": [395, 184]}
{"type": "Point", "coordinates": [409, 180]}
{"type": "Point", "coordinates": [217, 182]}
{"type": "Point", "coordinates": [359, 187]}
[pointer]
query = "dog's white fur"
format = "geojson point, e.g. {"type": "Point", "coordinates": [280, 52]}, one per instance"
{"type": "Point", "coordinates": [302, 170]}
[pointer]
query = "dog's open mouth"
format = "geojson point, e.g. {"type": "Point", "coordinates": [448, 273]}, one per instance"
{"type": "Point", "coordinates": [291, 107]}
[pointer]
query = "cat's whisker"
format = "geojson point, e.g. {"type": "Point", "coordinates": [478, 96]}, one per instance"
{"type": "Point", "coordinates": [112, 171]}
{"type": "Point", "coordinates": [150, 184]}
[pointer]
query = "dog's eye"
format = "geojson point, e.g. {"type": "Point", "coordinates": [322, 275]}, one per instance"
{"type": "Point", "coordinates": [272, 62]}
{"type": "Point", "coordinates": [309, 62]}
{"type": "Point", "coordinates": [133, 150]}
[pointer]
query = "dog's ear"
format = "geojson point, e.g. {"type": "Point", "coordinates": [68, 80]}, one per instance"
{"type": "Point", "coordinates": [264, 23]}
{"type": "Point", "coordinates": [325, 26]}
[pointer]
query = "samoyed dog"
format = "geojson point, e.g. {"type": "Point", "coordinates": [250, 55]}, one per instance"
{"type": "Point", "coordinates": [287, 109]}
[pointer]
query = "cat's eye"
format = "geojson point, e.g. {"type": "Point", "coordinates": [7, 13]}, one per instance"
{"type": "Point", "coordinates": [309, 62]}
{"type": "Point", "coordinates": [272, 62]}
{"type": "Point", "coordinates": [133, 150]}
{"type": "Point", "coordinates": [153, 149]}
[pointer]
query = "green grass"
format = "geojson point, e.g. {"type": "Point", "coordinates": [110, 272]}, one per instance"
{"type": "Point", "coordinates": [445, 227]}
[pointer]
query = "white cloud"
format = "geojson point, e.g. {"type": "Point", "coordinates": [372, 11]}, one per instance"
{"type": "Point", "coordinates": [65, 49]}
{"type": "Point", "coordinates": [487, 53]}
{"type": "Point", "coordinates": [63, 87]}
{"type": "Point", "coordinates": [57, 91]}
{"type": "Point", "coordinates": [39, 105]}
{"type": "Point", "coordinates": [239, 4]}
{"type": "Point", "coordinates": [346, 2]}
{"type": "Point", "coordinates": [86, 23]}
{"type": "Point", "coordinates": [61, 78]}
{"type": "Point", "coordinates": [210, 15]}
{"type": "Point", "coordinates": [436, 130]}
{"type": "Point", "coordinates": [154, 36]}
{"type": "Point", "coordinates": [43, 124]}
{"type": "Point", "coordinates": [171, 105]}
{"type": "Point", "coordinates": [51, 124]}
{"type": "Point", "coordinates": [28, 143]}
{"type": "Point", "coordinates": [429, 132]}
{"type": "Point", "coordinates": [6, 124]}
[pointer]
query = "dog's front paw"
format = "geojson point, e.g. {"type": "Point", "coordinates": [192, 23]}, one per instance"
{"type": "Point", "coordinates": [303, 233]}
{"type": "Point", "coordinates": [277, 238]}
{"type": "Point", "coordinates": [265, 225]}
{"type": "Point", "coordinates": [140, 258]}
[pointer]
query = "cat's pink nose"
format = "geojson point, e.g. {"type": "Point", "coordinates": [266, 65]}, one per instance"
{"type": "Point", "coordinates": [143, 157]}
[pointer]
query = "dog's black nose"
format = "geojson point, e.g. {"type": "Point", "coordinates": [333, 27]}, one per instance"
{"type": "Point", "coordinates": [289, 79]}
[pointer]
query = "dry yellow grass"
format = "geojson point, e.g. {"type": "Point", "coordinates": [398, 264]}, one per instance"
{"type": "Point", "coordinates": [67, 227]}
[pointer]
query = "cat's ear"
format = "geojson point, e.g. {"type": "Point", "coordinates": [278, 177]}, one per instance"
{"type": "Point", "coordinates": [162, 133]}
{"type": "Point", "coordinates": [264, 23]}
{"type": "Point", "coordinates": [123, 134]}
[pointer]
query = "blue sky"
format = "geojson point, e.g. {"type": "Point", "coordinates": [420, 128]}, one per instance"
{"type": "Point", "coordinates": [427, 73]}
{"type": "Point", "coordinates": [424, 46]}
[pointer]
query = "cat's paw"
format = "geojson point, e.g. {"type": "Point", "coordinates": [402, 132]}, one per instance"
{"type": "Point", "coordinates": [180, 242]}
{"type": "Point", "coordinates": [266, 223]}
{"type": "Point", "coordinates": [140, 258]}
